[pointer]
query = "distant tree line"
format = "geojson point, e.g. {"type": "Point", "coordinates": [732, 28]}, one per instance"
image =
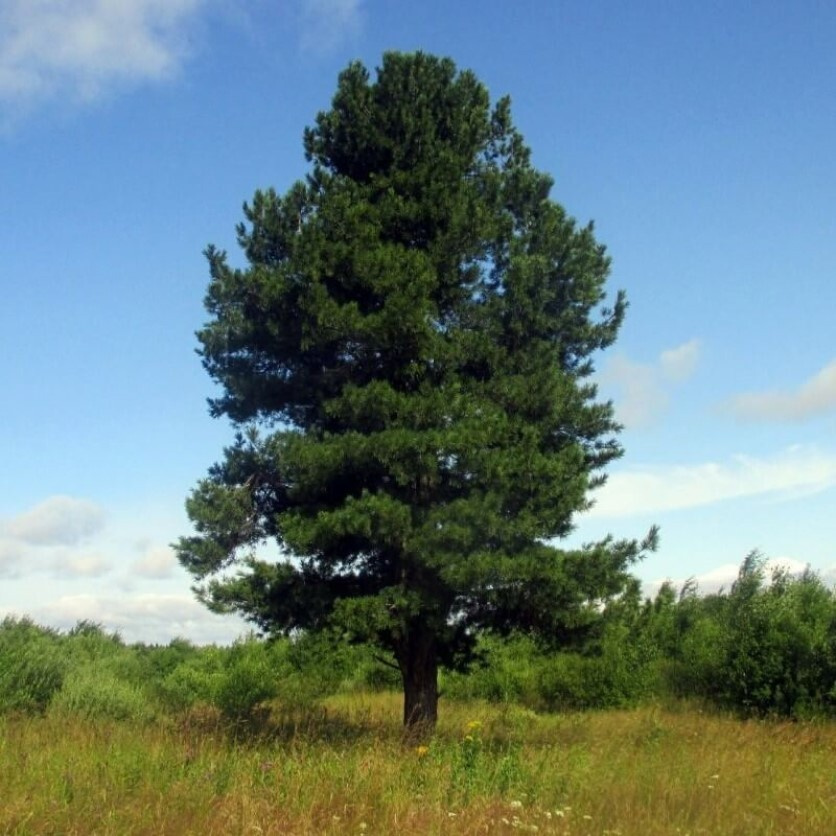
{"type": "Point", "coordinates": [765, 647]}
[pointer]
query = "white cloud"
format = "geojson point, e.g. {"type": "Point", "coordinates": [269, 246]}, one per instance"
{"type": "Point", "coordinates": [328, 23]}
{"type": "Point", "coordinates": [814, 397]}
{"type": "Point", "coordinates": [82, 565]}
{"type": "Point", "coordinates": [640, 397]}
{"type": "Point", "coordinates": [156, 562]}
{"type": "Point", "coordinates": [52, 538]}
{"type": "Point", "coordinates": [65, 567]}
{"type": "Point", "coordinates": [20, 559]}
{"type": "Point", "coordinates": [673, 487]}
{"type": "Point", "coordinates": [147, 618]}
{"type": "Point", "coordinates": [678, 364]}
{"type": "Point", "coordinates": [57, 521]}
{"type": "Point", "coordinates": [643, 388]}
{"type": "Point", "coordinates": [81, 48]}
{"type": "Point", "coordinates": [10, 559]}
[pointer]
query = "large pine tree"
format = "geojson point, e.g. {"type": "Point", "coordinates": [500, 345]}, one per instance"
{"type": "Point", "coordinates": [407, 359]}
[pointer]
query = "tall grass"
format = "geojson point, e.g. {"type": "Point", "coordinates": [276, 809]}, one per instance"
{"type": "Point", "coordinates": [343, 768]}
{"type": "Point", "coordinates": [294, 736]}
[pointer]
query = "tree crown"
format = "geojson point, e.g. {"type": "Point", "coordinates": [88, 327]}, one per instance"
{"type": "Point", "coordinates": [406, 357]}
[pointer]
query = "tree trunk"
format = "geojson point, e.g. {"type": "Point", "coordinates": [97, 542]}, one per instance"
{"type": "Point", "coordinates": [419, 668]}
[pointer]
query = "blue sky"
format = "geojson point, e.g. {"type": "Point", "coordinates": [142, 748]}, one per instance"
{"type": "Point", "coordinates": [698, 136]}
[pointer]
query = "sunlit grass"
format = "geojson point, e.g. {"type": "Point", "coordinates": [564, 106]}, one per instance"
{"type": "Point", "coordinates": [343, 767]}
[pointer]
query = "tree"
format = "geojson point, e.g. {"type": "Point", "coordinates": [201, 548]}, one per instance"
{"type": "Point", "coordinates": [406, 360]}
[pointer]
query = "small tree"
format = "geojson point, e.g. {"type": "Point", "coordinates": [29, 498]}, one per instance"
{"type": "Point", "coordinates": [406, 357]}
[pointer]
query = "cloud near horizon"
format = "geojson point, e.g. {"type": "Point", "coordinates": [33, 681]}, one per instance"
{"type": "Point", "coordinates": [67, 537]}
{"type": "Point", "coordinates": [816, 396]}
{"type": "Point", "coordinates": [148, 618]}
{"type": "Point", "coordinates": [656, 489]}
{"type": "Point", "coordinates": [643, 388]}
{"type": "Point", "coordinates": [159, 618]}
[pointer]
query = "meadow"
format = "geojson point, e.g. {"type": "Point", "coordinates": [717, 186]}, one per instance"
{"type": "Point", "coordinates": [342, 766]}
{"type": "Point", "coordinates": [680, 715]}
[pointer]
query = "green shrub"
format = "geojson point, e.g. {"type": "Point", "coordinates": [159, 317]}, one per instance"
{"type": "Point", "coordinates": [763, 648]}
{"type": "Point", "coordinates": [779, 654]}
{"type": "Point", "coordinates": [695, 669]}
{"type": "Point", "coordinates": [572, 681]}
{"type": "Point", "coordinates": [32, 665]}
{"type": "Point", "coordinates": [312, 666]}
{"type": "Point", "coordinates": [248, 679]}
{"type": "Point", "coordinates": [97, 693]}
{"type": "Point", "coordinates": [507, 671]}
{"type": "Point", "coordinates": [158, 661]}
{"type": "Point", "coordinates": [370, 674]}
{"type": "Point", "coordinates": [88, 641]}
{"type": "Point", "coordinates": [614, 670]}
{"type": "Point", "coordinates": [195, 680]}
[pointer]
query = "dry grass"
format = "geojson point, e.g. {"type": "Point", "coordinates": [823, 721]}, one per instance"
{"type": "Point", "coordinates": [345, 769]}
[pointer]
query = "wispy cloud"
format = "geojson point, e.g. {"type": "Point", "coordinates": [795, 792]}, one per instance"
{"type": "Point", "coordinates": [326, 24]}
{"type": "Point", "coordinates": [57, 521]}
{"type": "Point", "coordinates": [80, 49]}
{"type": "Point", "coordinates": [815, 396]}
{"type": "Point", "coordinates": [674, 487]}
{"type": "Point", "coordinates": [643, 389]}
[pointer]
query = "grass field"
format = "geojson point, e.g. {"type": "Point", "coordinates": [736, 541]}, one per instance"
{"type": "Point", "coordinates": [344, 768]}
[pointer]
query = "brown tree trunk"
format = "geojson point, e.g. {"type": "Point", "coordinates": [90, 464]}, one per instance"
{"type": "Point", "coordinates": [419, 668]}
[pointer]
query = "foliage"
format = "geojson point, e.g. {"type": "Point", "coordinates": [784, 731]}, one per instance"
{"type": "Point", "coordinates": [407, 357]}
{"type": "Point", "coordinates": [157, 661]}
{"type": "Point", "coordinates": [779, 653]}
{"type": "Point", "coordinates": [96, 692]}
{"type": "Point", "coordinates": [782, 643]}
{"type": "Point", "coordinates": [32, 665]}
{"type": "Point", "coordinates": [611, 672]}
{"type": "Point", "coordinates": [248, 680]}
{"type": "Point", "coordinates": [235, 680]}
{"type": "Point", "coordinates": [313, 665]}
{"type": "Point", "coordinates": [765, 647]}
{"type": "Point", "coordinates": [192, 681]}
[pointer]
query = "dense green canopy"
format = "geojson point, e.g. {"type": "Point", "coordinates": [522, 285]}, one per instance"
{"type": "Point", "coordinates": [407, 357]}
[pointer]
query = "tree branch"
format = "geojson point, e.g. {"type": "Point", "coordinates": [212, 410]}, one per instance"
{"type": "Point", "coordinates": [385, 662]}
